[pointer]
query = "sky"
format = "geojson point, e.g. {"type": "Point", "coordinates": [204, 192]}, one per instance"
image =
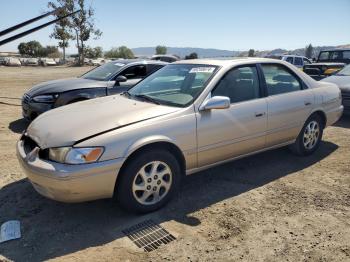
{"type": "Point", "coordinates": [222, 24]}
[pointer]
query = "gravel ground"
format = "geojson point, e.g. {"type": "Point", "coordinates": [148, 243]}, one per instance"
{"type": "Point", "coordinates": [273, 206]}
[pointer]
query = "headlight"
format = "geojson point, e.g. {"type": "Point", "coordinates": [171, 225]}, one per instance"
{"type": "Point", "coordinates": [45, 98]}
{"type": "Point", "coordinates": [75, 155]}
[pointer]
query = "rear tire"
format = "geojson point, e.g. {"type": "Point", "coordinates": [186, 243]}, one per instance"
{"type": "Point", "coordinates": [148, 182]}
{"type": "Point", "coordinates": [309, 137]}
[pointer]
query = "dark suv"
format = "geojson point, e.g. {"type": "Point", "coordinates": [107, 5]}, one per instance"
{"type": "Point", "coordinates": [328, 62]}
{"type": "Point", "coordinates": [108, 79]}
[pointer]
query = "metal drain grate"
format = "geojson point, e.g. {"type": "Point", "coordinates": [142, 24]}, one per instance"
{"type": "Point", "coordinates": [148, 235]}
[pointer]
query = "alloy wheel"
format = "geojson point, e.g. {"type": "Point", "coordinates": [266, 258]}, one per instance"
{"type": "Point", "coordinates": [311, 135]}
{"type": "Point", "coordinates": [152, 183]}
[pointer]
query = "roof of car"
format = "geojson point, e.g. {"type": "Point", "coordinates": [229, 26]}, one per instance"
{"type": "Point", "coordinates": [227, 62]}
{"type": "Point", "coordinates": [335, 49]}
{"type": "Point", "coordinates": [138, 61]}
{"type": "Point", "coordinates": [294, 56]}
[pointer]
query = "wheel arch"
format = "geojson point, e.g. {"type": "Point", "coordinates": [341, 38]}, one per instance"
{"type": "Point", "coordinates": [322, 115]}
{"type": "Point", "coordinates": [142, 147]}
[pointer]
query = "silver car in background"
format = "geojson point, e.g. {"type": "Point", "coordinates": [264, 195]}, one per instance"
{"type": "Point", "coordinates": [342, 80]}
{"type": "Point", "coordinates": [186, 117]}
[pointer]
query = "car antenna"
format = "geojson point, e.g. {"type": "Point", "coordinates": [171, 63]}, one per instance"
{"type": "Point", "coordinates": [15, 27]}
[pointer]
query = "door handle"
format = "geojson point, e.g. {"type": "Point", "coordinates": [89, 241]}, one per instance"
{"type": "Point", "coordinates": [307, 103]}
{"type": "Point", "coordinates": [260, 114]}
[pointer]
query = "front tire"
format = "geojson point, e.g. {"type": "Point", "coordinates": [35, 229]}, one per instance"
{"type": "Point", "coordinates": [309, 137]}
{"type": "Point", "coordinates": [148, 182]}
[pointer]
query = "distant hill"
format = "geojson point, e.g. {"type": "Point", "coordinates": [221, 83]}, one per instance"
{"type": "Point", "coordinates": [211, 52]}
{"type": "Point", "coordinates": [183, 51]}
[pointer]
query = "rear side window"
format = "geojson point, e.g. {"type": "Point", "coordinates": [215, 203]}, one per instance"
{"type": "Point", "coordinates": [279, 80]}
{"type": "Point", "coordinates": [289, 59]}
{"type": "Point", "coordinates": [135, 72]}
{"type": "Point", "coordinates": [336, 55]}
{"type": "Point", "coordinates": [298, 61]}
{"type": "Point", "coordinates": [239, 84]}
{"type": "Point", "coordinates": [323, 56]}
{"type": "Point", "coordinates": [346, 55]}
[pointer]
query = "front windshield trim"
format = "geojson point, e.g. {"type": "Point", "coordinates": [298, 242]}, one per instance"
{"type": "Point", "coordinates": [169, 103]}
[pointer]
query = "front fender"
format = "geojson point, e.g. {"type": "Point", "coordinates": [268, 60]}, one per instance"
{"type": "Point", "coordinates": [147, 141]}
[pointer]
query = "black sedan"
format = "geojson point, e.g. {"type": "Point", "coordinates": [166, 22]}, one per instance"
{"type": "Point", "coordinates": [108, 79]}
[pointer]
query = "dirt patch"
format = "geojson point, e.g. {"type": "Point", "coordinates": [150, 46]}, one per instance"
{"type": "Point", "coordinates": [272, 206]}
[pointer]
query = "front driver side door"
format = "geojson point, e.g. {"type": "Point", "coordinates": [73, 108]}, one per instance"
{"type": "Point", "coordinates": [227, 133]}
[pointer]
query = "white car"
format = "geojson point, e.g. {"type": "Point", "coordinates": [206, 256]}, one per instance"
{"type": "Point", "coordinates": [97, 62]}
{"type": "Point", "coordinates": [13, 62]}
{"type": "Point", "coordinates": [342, 80]}
{"type": "Point", "coordinates": [298, 61]}
{"type": "Point", "coordinates": [47, 62]}
{"type": "Point", "coordinates": [32, 62]}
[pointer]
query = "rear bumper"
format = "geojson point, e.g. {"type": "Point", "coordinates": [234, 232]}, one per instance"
{"type": "Point", "coordinates": [334, 115]}
{"type": "Point", "coordinates": [70, 183]}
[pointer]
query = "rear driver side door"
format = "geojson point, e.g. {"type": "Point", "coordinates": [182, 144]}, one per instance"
{"type": "Point", "coordinates": [289, 103]}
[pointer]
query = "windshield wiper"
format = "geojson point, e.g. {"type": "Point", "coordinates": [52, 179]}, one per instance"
{"type": "Point", "coordinates": [145, 97]}
{"type": "Point", "coordinates": [126, 93]}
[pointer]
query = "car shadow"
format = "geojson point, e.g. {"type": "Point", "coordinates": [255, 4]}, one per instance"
{"type": "Point", "coordinates": [51, 229]}
{"type": "Point", "coordinates": [19, 125]}
{"type": "Point", "coordinates": [344, 122]}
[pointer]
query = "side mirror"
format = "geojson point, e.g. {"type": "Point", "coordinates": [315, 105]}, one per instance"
{"type": "Point", "coordinates": [216, 102]}
{"type": "Point", "coordinates": [120, 79]}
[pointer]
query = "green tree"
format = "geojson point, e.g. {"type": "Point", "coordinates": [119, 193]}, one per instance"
{"type": "Point", "coordinates": [23, 49]}
{"type": "Point", "coordinates": [31, 49]}
{"type": "Point", "coordinates": [125, 52]}
{"type": "Point", "coordinates": [93, 52]}
{"type": "Point", "coordinates": [49, 50]}
{"type": "Point", "coordinates": [192, 56]}
{"type": "Point", "coordinates": [112, 53]}
{"type": "Point", "coordinates": [161, 50]}
{"type": "Point", "coordinates": [62, 30]}
{"type": "Point", "coordinates": [309, 51]}
{"type": "Point", "coordinates": [251, 53]}
{"type": "Point", "coordinates": [82, 24]}
{"type": "Point", "coordinates": [120, 52]}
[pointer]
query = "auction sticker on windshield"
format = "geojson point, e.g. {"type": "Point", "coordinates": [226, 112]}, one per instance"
{"type": "Point", "coordinates": [202, 70]}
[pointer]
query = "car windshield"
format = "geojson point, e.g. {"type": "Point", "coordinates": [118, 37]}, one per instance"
{"type": "Point", "coordinates": [103, 72]}
{"type": "Point", "coordinates": [175, 85]}
{"type": "Point", "coordinates": [344, 72]}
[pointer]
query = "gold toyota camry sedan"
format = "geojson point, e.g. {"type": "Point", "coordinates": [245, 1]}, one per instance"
{"type": "Point", "coordinates": [186, 117]}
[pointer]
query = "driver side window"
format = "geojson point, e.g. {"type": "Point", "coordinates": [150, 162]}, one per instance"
{"type": "Point", "coordinates": [239, 84]}
{"type": "Point", "coordinates": [135, 72]}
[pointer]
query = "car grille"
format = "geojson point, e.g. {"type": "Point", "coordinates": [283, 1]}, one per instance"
{"type": "Point", "coordinates": [26, 98]}
{"type": "Point", "coordinates": [28, 144]}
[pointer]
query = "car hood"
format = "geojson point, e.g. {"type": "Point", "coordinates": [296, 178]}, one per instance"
{"type": "Point", "coordinates": [62, 85]}
{"type": "Point", "coordinates": [66, 125]}
{"type": "Point", "coordinates": [343, 82]}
